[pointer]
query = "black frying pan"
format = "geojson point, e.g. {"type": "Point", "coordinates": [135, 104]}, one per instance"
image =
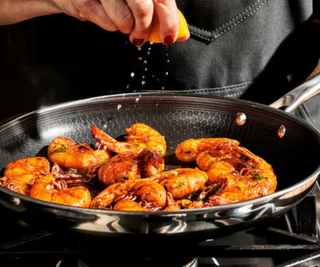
{"type": "Point", "coordinates": [295, 157]}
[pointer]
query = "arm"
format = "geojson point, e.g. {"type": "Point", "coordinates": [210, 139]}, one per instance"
{"type": "Point", "coordinates": [133, 17]}
{"type": "Point", "coordinates": [14, 11]}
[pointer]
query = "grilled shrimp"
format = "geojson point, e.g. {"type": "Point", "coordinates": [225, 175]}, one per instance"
{"type": "Point", "coordinates": [112, 194]}
{"type": "Point", "coordinates": [248, 176]}
{"type": "Point", "coordinates": [128, 205]}
{"type": "Point", "coordinates": [67, 154]}
{"type": "Point", "coordinates": [150, 195]}
{"type": "Point", "coordinates": [188, 150]}
{"type": "Point", "coordinates": [182, 203]}
{"type": "Point", "coordinates": [132, 165]}
{"type": "Point", "coordinates": [171, 204]}
{"type": "Point", "coordinates": [140, 136]}
{"type": "Point", "coordinates": [46, 188]}
{"type": "Point", "coordinates": [20, 174]}
{"type": "Point", "coordinates": [181, 182]}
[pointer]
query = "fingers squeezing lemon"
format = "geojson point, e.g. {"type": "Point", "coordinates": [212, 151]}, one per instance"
{"type": "Point", "coordinates": [183, 30]}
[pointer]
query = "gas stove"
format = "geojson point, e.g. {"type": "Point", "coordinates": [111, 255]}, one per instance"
{"type": "Point", "coordinates": [291, 240]}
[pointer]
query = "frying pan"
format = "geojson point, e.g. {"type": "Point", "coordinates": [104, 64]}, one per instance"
{"type": "Point", "coordinates": [295, 157]}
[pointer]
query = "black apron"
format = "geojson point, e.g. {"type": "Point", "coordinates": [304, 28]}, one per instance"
{"type": "Point", "coordinates": [249, 49]}
{"type": "Point", "coordinates": [254, 49]}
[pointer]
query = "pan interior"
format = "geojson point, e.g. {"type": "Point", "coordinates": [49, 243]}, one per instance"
{"type": "Point", "coordinates": [293, 157]}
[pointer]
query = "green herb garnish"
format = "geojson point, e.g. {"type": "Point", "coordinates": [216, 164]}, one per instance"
{"type": "Point", "coordinates": [258, 177]}
{"type": "Point", "coordinates": [255, 175]}
{"type": "Point", "coordinates": [178, 185]}
{"type": "Point", "coordinates": [60, 150]}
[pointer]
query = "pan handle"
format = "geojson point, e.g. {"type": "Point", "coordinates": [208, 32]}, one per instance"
{"type": "Point", "coordinates": [304, 92]}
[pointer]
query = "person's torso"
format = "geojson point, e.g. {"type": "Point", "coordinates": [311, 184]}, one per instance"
{"type": "Point", "coordinates": [253, 49]}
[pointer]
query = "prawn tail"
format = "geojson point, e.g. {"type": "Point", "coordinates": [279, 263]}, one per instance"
{"type": "Point", "coordinates": [102, 138]}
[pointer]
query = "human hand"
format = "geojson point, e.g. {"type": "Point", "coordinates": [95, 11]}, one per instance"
{"type": "Point", "coordinates": [133, 17]}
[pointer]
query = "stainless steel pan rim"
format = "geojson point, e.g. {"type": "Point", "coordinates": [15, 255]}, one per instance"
{"type": "Point", "coordinates": [257, 201]}
{"type": "Point", "coordinates": [308, 181]}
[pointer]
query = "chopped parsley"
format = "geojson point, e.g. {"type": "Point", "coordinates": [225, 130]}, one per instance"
{"type": "Point", "coordinates": [60, 150]}
{"type": "Point", "coordinates": [148, 153]}
{"type": "Point", "coordinates": [178, 185]}
{"type": "Point", "coordinates": [258, 177]}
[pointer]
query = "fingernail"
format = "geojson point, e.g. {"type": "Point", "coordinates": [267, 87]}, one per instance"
{"type": "Point", "coordinates": [169, 40]}
{"type": "Point", "coordinates": [138, 42]}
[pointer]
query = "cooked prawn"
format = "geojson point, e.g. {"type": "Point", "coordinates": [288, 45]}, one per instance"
{"type": "Point", "coordinates": [181, 182]}
{"type": "Point", "coordinates": [128, 205]}
{"type": "Point", "coordinates": [150, 195]}
{"type": "Point", "coordinates": [132, 165]}
{"type": "Point", "coordinates": [182, 203]}
{"type": "Point", "coordinates": [171, 204]}
{"type": "Point", "coordinates": [20, 174]}
{"type": "Point", "coordinates": [46, 188]}
{"type": "Point", "coordinates": [248, 176]}
{"type": "Point", "coordinates": [188, 150]}
{"type": "Point", "coordinates": [67, 154]}
{"type": "Point", "coordinates": [140, 136]}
